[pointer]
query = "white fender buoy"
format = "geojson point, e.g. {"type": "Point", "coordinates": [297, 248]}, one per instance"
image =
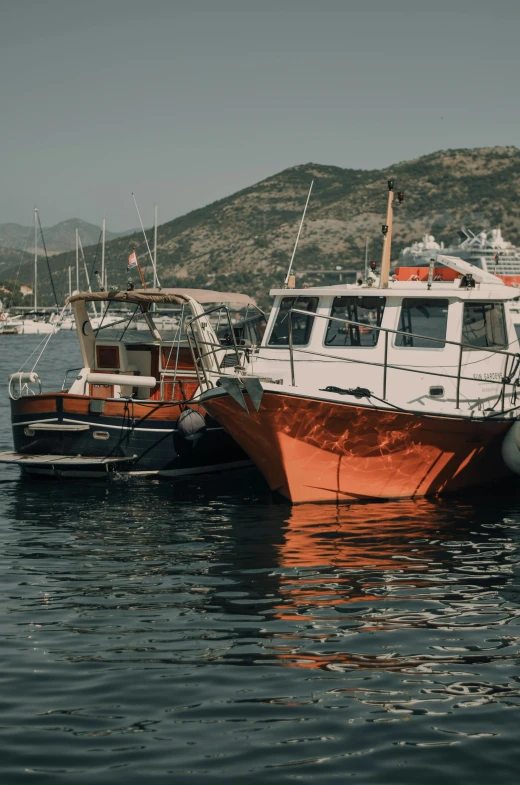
{"type": "Point", "coordinates": [191, 425]}
{"type": "Point", "coordinates": [511, 448]}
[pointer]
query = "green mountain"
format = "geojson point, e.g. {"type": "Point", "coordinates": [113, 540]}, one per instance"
{"type": "Point", "coordinates": [244, 241]}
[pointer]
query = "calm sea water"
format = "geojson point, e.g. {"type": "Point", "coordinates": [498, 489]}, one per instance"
{"type": "Point", "coordinates": [204, 632]}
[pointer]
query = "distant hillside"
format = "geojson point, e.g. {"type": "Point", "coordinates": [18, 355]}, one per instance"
{"type": "Point", "coordinates": [58, 238]}
{"type": "Point", "coordinates": [245, 240]}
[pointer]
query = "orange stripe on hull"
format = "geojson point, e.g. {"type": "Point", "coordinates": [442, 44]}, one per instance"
{"type": "Point", "coordinates": [46, 403]}
{"type": "Point", "coordinates": [315, 451]}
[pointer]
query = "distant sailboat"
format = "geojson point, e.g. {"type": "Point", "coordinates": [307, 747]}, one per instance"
{"type": "Point", "coordinates": [32, 325]}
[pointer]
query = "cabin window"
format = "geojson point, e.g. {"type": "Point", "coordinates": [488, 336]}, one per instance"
{"type": "Point", "coordinates": [301, 324]}
{"type": "Point", "coordinates": [366, 310]}
{"type": "Point", "coordinates": [484, 325]}
{"type": "Point", "coordinates": [427, 319]}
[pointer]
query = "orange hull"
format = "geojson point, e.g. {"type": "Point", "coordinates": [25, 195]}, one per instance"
{"type": "Point", "coordinates": [316, 451]}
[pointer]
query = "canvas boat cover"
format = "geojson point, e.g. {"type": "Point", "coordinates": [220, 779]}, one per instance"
{"type": "Point", "coordinates": [148, 296]}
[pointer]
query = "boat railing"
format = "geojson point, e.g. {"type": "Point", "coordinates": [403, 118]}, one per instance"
{"type": "Point", "coordinates": [507, 372]}
{"type": "Point", "coordinates": [19, 384]}
{"type": "Point", "coordinates": [203, 350]}
{"type": "Point", "coordinates": [65, 384]}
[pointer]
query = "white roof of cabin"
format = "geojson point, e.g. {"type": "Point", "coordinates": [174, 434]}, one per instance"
{"type": "Point", "coordinates": [482, 291]}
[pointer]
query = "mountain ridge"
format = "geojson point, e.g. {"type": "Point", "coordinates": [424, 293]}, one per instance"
{"type": "Point", "coordinates": [244, 241]}
{"type": "Point", "coordinates": [58, 238]}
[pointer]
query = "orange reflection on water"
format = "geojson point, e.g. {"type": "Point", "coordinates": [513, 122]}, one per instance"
{"type": "Point", "coordinates": [333, 558]}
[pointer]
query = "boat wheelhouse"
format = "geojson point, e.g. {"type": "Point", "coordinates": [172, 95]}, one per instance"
{"type": "Point", "coordinates": [133, 404]}
{"type": "Point", "coordinates": [369, 390]}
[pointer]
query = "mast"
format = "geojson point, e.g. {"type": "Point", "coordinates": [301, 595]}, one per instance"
{"type": "Point", "coordinates": [387, 234]}
{"type": "Point", "coordinates": [77, 261]}
{"type": "Point", "coordinates": [35, 258]}
{"type": "Point", "coordinates": [87, 276]}
{"type": "Point", "coordinates": [103, 251]}
{"type": "Point", "coordinates": [155, 249]}
{"type": "Point", "coordinates": [70, 280]}
{"type": "Point", "coordinates": [387, 238]}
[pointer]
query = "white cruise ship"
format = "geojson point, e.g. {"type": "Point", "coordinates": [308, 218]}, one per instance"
{"type": "Point", "coordinates": [487, 250]}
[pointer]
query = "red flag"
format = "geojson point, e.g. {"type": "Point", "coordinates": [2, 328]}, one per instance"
{"type": "Point", "coordinates": [132, 261]}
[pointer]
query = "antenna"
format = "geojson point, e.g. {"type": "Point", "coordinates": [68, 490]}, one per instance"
{"type": "Point", "coordinates": [146, 241]}
{"type": "Point", "coordinates": [366, 258]}
{"type": "Point", "coordinates": [298, 236]}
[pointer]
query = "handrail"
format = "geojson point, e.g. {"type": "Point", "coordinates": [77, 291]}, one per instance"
{"type": "Point", "coordinates": [69, 370]}
{"type": "Point", "coordinates": [371, 363]}
{"type": "Point", "coordinates": [195, 344]}
{"type": "Point", "coordinates": [505, 380]}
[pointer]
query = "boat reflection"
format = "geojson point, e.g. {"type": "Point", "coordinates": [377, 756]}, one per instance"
{"type": "Point", "coordinates": [382, 568]}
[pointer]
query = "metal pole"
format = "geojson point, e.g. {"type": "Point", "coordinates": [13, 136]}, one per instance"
{"type": "Point", "coordinates": [178, 339]}
{"type": "Point", "coordinates": [385, 368]}
{"type": "Point", "coordinates": [70, 280]}
{"type": "Point", "coordinates": [458, 379]}
{"type": "Point", "coordinates": [86, 275]}
{"type": "Point", "coordinates": [146, 241]}
{"type": "Point", "coordinates": [504, 382]}
{"type": "Point", "coordinates": [103, 231]}
{"type": "Point", "coordinates": [291, 358]}
{"type": "Point", "coordinates": [35, 258]}
{"type": "Point", "coordinates": [77, 261]}
{"type": "Point", "coordinates": [155, 249]}
{"type": "Point", "coordinates": [233, 335]}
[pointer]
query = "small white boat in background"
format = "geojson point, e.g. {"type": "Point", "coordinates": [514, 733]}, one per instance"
{"type": "Point", "coordinates": [20, 325]}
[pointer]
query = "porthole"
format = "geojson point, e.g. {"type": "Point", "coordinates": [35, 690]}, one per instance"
{"type": "Point", "coordinates": [28, 431]}
{"type": "Point", "coordinates": [436, 392]}
{"type": "Point", "coordinates": [100, 434]}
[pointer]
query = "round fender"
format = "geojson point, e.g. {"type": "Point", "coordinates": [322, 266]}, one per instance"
{"type": "Point", "coordinates": [511, 448]}
{"type": "Point", "coordinates": [191, 425]}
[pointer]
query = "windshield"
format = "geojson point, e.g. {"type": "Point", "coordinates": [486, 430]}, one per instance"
{"type": "Point", "coordinates": [133, 325]}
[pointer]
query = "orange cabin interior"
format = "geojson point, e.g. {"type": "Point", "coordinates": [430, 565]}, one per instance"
{"type": "Point", "coordinates": [165, 361]}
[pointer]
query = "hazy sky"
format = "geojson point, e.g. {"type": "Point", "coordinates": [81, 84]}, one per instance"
{"type": "Point", "coordinates": [186, 102]}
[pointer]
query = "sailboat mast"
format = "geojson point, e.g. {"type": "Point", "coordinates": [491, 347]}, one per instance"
{"type": "Point", "coordinates": [35, 258]}
{"type": "Point", "coordinates": [86, 274]}
{"type": "Point", "coordinates": [70, 280]}
{"type": "Point", "coordinates": [77, 261]}
{"type": "Point", "coordinates": [103, 252]}
{"type": "Point", "coordinates": [155, 250]}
